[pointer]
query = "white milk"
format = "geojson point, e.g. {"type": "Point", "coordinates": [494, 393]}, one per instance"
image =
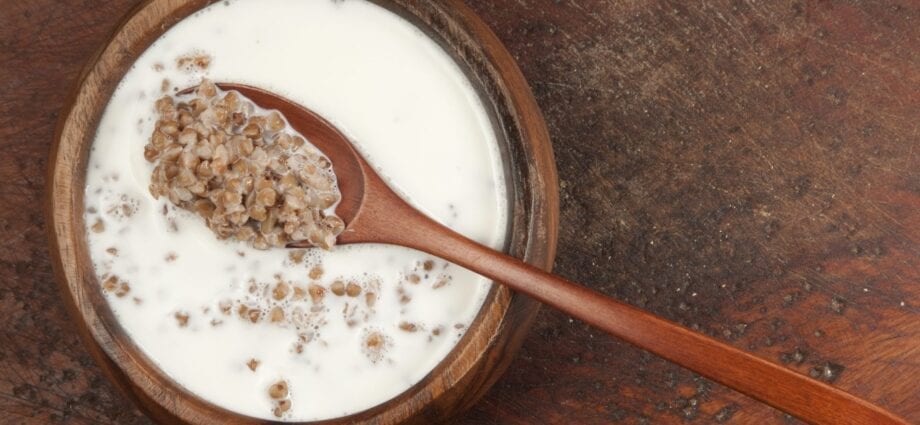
{"type": "Point", "coordinates": [408, 108]}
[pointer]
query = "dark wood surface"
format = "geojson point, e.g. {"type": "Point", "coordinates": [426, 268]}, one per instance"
{"type": "Point", "coordinates": [746, 169]}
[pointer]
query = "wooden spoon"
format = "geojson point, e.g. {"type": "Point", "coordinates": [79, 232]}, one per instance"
{"type": "Point", "coordinates": [373, 213]}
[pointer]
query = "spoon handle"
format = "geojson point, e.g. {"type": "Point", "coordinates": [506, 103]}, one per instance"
{"type": "Point", "coordinates": [782, 388]}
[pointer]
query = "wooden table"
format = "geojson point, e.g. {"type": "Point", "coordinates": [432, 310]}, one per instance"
{"type": "Point", "coordinates": [744, 168]}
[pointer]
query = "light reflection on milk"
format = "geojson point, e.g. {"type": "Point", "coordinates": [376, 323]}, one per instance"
{"type": "Point", "coordinates": [409, 109]}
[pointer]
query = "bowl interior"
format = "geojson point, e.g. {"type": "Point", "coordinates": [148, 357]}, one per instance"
{"type": "Point", "coordinates": [490, 342]}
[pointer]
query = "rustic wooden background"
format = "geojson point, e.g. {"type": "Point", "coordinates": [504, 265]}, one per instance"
{"type": "Point", "coordinates": [745, 168]}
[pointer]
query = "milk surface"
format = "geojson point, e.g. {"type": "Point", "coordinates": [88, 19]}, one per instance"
{"type": "Point", "coordinates": [414, 115]}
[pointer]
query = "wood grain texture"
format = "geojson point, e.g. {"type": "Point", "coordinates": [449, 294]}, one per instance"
{"type": "Point", "coordinates": [760, 155]}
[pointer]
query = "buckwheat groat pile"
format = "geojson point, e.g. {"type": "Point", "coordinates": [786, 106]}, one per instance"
{"type": "Point", "coordinates": [243, 169]}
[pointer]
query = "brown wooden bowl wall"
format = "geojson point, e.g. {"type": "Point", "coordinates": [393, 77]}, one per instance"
{"type": "Point", "coordinates": [496, 334]}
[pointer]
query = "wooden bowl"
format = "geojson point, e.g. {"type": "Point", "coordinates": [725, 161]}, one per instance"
{"type": "Point", "coordinates": [491, 341]}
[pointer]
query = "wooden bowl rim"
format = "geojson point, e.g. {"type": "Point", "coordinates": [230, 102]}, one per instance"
{"type": "Point", "coordinates": [491, 341]}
